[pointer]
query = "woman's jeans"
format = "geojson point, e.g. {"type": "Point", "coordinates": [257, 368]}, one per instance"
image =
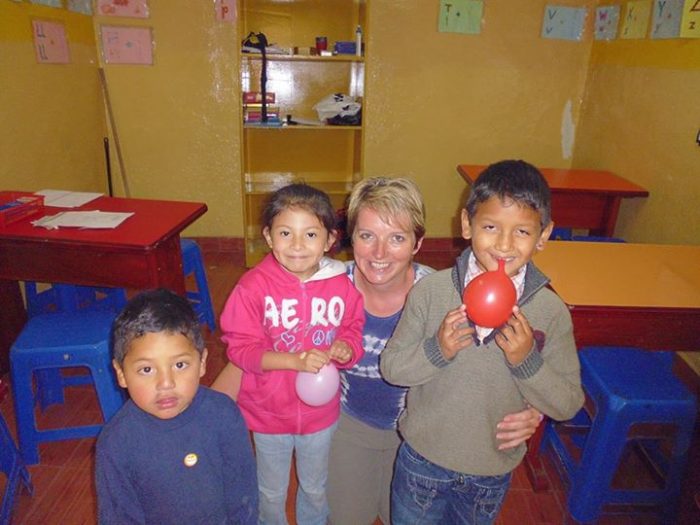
{"type": "Point", "coordinates": [273, 454]}
{"type": "Point", "coordinates": [422, 492]}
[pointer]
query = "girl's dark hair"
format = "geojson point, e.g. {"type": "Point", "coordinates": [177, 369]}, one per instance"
{"type": "Point", "coordinates": [302, 196]}
{"type": "Point", "coordinates": [516, 180]}
{"type": "Point", "coordinates": [154, 311]}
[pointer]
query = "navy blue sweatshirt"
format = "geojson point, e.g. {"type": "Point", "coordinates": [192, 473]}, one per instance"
{"type": "Point", "coordinates": [195, 468]}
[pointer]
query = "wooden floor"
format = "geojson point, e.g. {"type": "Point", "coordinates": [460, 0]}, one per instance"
{"type": "Point", "coordinates": [63, 482]}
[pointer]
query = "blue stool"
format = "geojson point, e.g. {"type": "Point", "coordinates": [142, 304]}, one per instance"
{"type": "Point", "coordinates": [71, 298]}
{"type": "Point", "coordinates": [67, 298]}
{"type": "Point", "coordinates": [193, 263]}
{"type": "Point", "coordinates": [560, 234]}
{"type": "Point", "coordinates": [628, 389]}
{"type": "Point", "coordinates": [595, 238]}
{"type": "Point", "coordinates": [565, 234]}
{"type": "Point", "coordinates": [54, 341]}
{"type": "Point", "coordinates": [12, 465]}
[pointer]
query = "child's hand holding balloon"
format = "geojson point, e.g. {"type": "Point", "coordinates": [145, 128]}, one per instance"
{"type": "Point", "coordinates": [515, 338]}
{"type": "Point", "coordinates": [340, 351]}
{"type": "Point", "coordinates": [454, 333]}
{"type": "Point", "coordinates": [311, 360]}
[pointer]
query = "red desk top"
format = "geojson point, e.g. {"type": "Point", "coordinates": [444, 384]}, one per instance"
{"type": "Point", "coordinates": [573, 180]}
{"type": "Point", "coordinates": [153, 220]}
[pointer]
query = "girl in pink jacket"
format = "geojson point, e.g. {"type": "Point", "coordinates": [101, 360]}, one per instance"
{"type": "Point", "coordinates": [295, 311]}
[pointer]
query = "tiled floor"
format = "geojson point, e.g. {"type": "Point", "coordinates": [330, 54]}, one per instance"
{"type": "Point", "coordinates": [63, 482]}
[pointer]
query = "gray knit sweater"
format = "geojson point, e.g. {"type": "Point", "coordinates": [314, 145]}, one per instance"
{"type": "Point", "coordinates": [453, 406]}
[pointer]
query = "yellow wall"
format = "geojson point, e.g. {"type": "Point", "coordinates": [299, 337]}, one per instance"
{"type": "Point", "coordinates": [436, 100]}
{"type": "Point", "coordinates": [178, 120]}
{"type": "Point", "coordinates": [640, 120]}
{"type": "Point", "coordinates": [433, 100]}
{"type": "Point", "coordinates": [52, 122]}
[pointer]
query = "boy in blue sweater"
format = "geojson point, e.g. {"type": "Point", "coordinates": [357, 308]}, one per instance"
{"type": "Point", "coordinates": [175, 452]}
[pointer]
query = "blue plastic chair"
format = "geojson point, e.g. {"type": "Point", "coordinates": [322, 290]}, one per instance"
{"type": "Point", "coordinates": [14, 468]}
{"type": "Point", "coordinates": [193, 264]}
{"type": "Point", "coordinates": [626, 387]}
{"type": "Point", "coordinates": [71, 298]}
{"type": "Point", "coordinates": [54, 341]}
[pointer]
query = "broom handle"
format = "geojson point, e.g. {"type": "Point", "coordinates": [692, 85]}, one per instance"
{"type": "Point", "coordinates": [113, 125]}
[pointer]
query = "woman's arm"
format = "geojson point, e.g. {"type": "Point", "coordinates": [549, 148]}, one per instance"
{"type": "Point", "coordinates": [228, 381]}
{"type": "Point", "coordinates": [517, 428]}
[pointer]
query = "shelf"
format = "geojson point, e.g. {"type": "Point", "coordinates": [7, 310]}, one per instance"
{"type": "Point", "coordinates": [265, 183]}
{"type": "Point", "coordinates": [321, 127]}
{"type": "Point", "coordinates": [304, 58]}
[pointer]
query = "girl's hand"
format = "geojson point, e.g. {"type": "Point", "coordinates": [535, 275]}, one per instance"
{"type": "Point", "coordinates": [340, 351]}
{"type": "Point", "coordinates": [517, 428]}
{"type": "Point", "coordinates": [311, 360]}
{"type": "Point", "coordinates": [454, 333]}
{"type": "Point", "coordinates": [515, 338]}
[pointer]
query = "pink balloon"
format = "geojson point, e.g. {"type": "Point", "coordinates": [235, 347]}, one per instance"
{"type": "Point", "coordinates": [320, 388]}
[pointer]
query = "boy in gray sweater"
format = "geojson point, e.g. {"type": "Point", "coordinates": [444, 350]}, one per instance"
{"type": "Point", "coordinates": [464, 378]}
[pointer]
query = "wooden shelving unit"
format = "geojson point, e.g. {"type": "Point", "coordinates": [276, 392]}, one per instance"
{"type": "Point", "coordinates": [327, 157]}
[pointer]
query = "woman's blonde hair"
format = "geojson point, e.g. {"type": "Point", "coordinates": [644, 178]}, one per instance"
{"type": "Point", "coordinates": [390, 198]}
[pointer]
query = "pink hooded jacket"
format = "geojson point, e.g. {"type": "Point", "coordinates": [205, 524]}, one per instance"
{"type": "Point", "coordinates": [271, 309]}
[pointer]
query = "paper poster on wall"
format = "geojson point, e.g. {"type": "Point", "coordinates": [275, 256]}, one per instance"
{"type": "Point", "coordinates": [606, 20]}
{"type": "Point", "coordinates": [460, 16]}
{"type": "Point", "coordinates": [130, 8]}
{"type": "Point", "coordinates": [50, 3]}
{"type": "Point", "coordinates": [80, 6]}
{"type": "Point", "coordinates": [635, 22]}
{"type": "Point", "coordinates": [666, 18]}
{"type": "Point", "coordinates": [563, 23]}
{"type": "Point", "coordinates": [50, 43]}
{"type": "Point", "coordinates": [225, 10]}
{"type": "Point", "coordinates": [690, 23]}
{"type": "Point", "coordinates": [127, 45]}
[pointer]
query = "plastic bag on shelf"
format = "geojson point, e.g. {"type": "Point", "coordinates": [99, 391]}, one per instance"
{"type": "Point", "coordinates": [339, 109]}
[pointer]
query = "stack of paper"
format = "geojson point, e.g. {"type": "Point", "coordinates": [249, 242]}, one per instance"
{"type": "Point", "coordinates": [67, 199]}
{"type": "Point", "coordinates": [83, 219]}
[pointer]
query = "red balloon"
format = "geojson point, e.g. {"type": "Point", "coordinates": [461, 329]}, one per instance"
{"type": "Point", "coordinates": [490, 297]}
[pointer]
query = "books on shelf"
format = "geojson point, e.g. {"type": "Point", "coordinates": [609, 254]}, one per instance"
{"type": "Point", "coordinates": [254, 113]}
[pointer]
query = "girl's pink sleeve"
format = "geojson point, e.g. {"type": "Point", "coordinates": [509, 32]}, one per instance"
{"type": "Point", "coordinates": [350, 330]}
{"type": "Point", "coordinates": [242, 326]}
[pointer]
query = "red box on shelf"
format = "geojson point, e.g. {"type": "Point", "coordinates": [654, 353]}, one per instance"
{"type": "Point", "coordinates": [15, 206]}
{"type": "Point", "coordinates": [255, 97]}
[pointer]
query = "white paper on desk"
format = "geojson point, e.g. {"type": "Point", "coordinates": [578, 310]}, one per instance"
{"type": "Point", "coordinates": [83, 219]}
{"type": "Point", "coordinates": [67, 199]}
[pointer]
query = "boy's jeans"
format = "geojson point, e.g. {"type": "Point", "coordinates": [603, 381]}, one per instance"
{"type": "Point", "coordinates": [422, 492]}
{"type": "Point", "coordinates": [273, 453]}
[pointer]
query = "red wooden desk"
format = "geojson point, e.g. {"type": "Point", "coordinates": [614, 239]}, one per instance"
{"type": "Point", "coordinates": [641, 295]}
{"type": "Point", "coordinates": [142, 252]}
{"type": "Point", "coordinates": [587, 199]}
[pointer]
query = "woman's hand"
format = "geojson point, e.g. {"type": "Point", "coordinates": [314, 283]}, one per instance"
{"type": "Point", "coordinates": [517, 428]}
